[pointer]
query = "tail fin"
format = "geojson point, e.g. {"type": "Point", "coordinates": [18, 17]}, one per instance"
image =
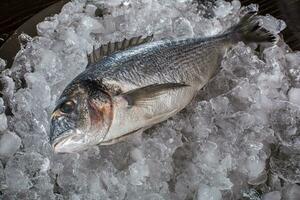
{"type": "Point", "coordinates": [249, 30]}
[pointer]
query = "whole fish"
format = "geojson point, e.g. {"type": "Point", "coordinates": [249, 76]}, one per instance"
{"type": "Point", "coordinates": [127, 89]}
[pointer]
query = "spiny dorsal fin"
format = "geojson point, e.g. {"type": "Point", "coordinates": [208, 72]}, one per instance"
{"type": "Point", "coordinates": [109, 48]}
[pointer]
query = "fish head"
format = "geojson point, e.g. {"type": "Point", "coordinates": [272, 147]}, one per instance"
{"type": "Point", "coordinates": [81, 118]}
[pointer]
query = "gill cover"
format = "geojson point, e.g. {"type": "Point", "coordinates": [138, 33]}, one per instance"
{"type": "Point", "coordinates": [100, 114]}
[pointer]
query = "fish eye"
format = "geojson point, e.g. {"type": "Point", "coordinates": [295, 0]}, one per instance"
{"type": "Point", "coordinates": [67, 107]}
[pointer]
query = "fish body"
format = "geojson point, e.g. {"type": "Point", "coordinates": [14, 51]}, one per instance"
{"type": "Point", "coordinates": [189, 61]}
{"type": "Point", "coordinates": [133, 89]}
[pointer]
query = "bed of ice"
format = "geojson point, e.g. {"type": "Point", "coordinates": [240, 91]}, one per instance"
{"type": "Point", "coordinates": [240, 139]}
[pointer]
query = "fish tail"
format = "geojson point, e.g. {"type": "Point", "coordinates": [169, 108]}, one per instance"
{"type": "Point", "coordinates": [250, 30]}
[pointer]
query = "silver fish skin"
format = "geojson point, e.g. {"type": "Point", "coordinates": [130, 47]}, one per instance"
{"type": "Point", "coordinates": [131, 90]}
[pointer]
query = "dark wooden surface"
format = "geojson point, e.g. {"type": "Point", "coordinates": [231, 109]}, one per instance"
{"type": "Point", "coordinates": [11, 45]}
{"type": "Point", "coordinates": [15, 12]}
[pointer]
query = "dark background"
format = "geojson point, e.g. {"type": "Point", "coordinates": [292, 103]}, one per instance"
{"type": "Point", "coordinates": [15, 12]}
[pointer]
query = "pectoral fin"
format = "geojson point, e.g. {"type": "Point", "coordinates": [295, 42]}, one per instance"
{"type": "Point", "coordinates": [149, 94]}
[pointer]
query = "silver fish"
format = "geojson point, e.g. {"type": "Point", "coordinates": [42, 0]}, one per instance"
{"type": "Point", "coordinates": [131, 85]}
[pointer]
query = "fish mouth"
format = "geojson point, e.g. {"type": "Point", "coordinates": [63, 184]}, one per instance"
{"type": "Point", "coordinates": [60, 139]}
{"type": "Point", "coordinates": [71, 141]}
{"type": "Point", "coordinates": [60, 126]}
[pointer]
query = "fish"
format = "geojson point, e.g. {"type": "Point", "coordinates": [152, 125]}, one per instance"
{"type": "Point", "coordinates": [131, 85]}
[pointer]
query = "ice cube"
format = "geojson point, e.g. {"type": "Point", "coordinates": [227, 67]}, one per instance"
{"type": "Point", "coordinates": [255, 166]}
{"type": "Point", "coordinates": [23, 171]}
{"type": "Point", "coordinates": [2, 64]}
{"type": "Point", "coordinates": [207, 27]}
{"type": "Point", "coordinates": [3, 122]}
{"type": "Point", "coordinates": [24, 39]}
{"type": "Point", "coordinates": [162, 27]}
{"type": "Point", "coordinates": [89, 25]}
{"type": "Point", "coordinates": [17, 180]}
{"type": "Point", "coordinates": [222, 8]}
{"type": "Point", "coordinates": [73, 7]}
{"type": "Point", "coordinates": [2, 106]}
{"type": "Point", "coordinates": [276, 195]}
{"type": "Point", "coordinates": [285, 164]}
{"type": "Point", "coordinates": [284, 120]}
{"type": "Point", "coordinates": [139, 172]}
{"type": "Point", "coordinates": [294, 96]}
{"type": "Point", "coordinates": [208, 193]}
{"type": "Point", "coordinates": [259, 179]}
{"type": "Point", "coordinates": [154, 196]}
{"type": "Point", "coordinates": [272, 24]}
{"type": "Point", "coordinates": [39, 87]}
{"type": "Point", "coordinates": [112, 2]}
{"type": "Point", "coordinates": [90, 9]}
{"type": "Point", "coordinates": [251, 194]}
{"type": "Point", "coordinates": [109, 24]}
{"type": "Point", "coordinates": [38, 143]}
{"type": "Point", "coordinates": [183, 28]}
{"type": "Point", "coordinates": [292, 192]}
{"type": "Point", "coordinates": [9, 144]}
{"type": "Point", "coordinates": [3, 185]}
{"type": "Point", "coordinates": [8, 88]}
{"type": "Point", "coordinates": [293, 61]}
{"type": "Point", "coordinates": [47, 28]}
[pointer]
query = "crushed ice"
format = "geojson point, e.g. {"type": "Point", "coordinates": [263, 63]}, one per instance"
{"type": "Point", "coordinates": [239, 139]}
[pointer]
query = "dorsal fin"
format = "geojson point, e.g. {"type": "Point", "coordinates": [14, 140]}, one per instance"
{"type": "Point", "coordinates": [109, 48]}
